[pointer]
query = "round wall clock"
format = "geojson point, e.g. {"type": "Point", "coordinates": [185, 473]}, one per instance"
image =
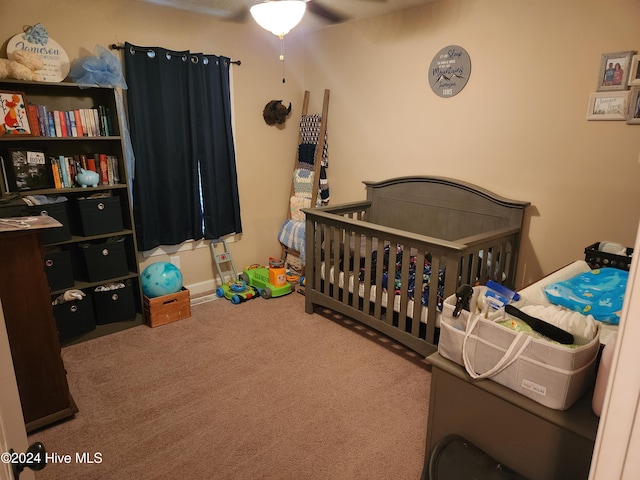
{"type": "Point", "coordinates": [449, 71]}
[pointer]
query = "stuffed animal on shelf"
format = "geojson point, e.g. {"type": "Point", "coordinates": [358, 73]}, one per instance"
{"type": "Point", "coordinates": [68, 296]}
{"type": "Point", "coordinates": [24, 67]}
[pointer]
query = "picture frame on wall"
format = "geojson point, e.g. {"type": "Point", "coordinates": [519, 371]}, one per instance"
{"type": "Point", "coordinates": [13, 114]}
{"type": "Point", "coordinates": [634, 71]}
{"type": "Point", "coordinates": [634, 106]}
{"type": "Point", "coordinates": [614, 71]}
{"type": "Point", "coordinates": [608, 106]}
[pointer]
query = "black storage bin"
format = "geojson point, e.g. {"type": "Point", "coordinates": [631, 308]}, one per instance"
{"type": "Point", "coordinates": [104, 260]}
{"type": "Point", "coordinates": [97, 216]}
{"type": "Point", "coordinates": [597, 259]}
{"type": "Point", "coordinates": [74, 318]}
{"type": "Point", "coordinates": [13, 205]}
{"type": "Point", "coordinates": [114, 305]}
{"type": "Point", "coordinates": [57, 266]}
{"type": "Point", "coordinates": [59, 212]}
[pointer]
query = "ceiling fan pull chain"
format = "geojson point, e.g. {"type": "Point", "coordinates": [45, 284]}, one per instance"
{"type": "Point", "coordinates": [282, 55]}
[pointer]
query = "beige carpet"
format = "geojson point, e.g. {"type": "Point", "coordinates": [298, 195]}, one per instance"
{"type": "Point", "coordinates": [259, 390]}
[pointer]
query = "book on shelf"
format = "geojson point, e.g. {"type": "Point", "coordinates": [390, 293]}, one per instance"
{"type": "Point", "coordinates": [26, 170]}
{"type": "Point", "coordinates": [56, 123]}
{"type": "Point", "coordinates": [86, 127]}
{"type": "Point", "coordinates": [95, 121]}
{"type": "Point", "coordinates": [113, 161]}
{"type": "Point", "coordinates": [51, 126]}
{"type": "Point", "coordinates": [64, 171]}
{"type": "Point", "coordinates": [56, 173]}
{"type": "Point", "coordinates": [104, 169]}
{"type": "Point", "coordinates": [91, 164]}
{"type": "Point", "coordinates": [78, 120]}
{"type": "Point", "coordinates": [4, 175]}
{"type": "Point", "coordinates": [42, 120]}
{"type": "Point", "coordinates": [32, 116]}
{"type": "Point", "coordinates": [63, 123]}
{"type": "Point", "coordinates": [71, 121]}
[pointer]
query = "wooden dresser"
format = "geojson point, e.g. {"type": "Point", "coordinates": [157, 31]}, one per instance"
{"type": "Point", "coordinates": [537, 442]}
{"type": "Point", "coordinates": [33, 337]}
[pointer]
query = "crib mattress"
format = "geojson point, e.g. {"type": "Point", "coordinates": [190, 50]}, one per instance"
{"type": "Point", "coordinates": [533, 293]}
{"type": "Point", "coordinates": [372, 294]}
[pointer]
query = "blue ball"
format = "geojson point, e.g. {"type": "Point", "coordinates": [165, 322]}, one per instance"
{"type": "Point", "coordinates": [161, 278]}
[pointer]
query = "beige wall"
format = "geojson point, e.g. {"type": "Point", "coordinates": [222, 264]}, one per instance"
{"type": "Point", "coordinates": [518, 128]}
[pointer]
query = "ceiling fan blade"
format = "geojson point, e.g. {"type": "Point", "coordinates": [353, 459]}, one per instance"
{"type": "Point", "coordinates": [240, 16]}
{"type": "Point", "coordinates": [329, 15]}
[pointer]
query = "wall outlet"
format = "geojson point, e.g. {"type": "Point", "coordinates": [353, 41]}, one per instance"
{"type": "Point", "coordinates": [175, 259]}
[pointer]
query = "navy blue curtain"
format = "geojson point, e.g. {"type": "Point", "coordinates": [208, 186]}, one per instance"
{"type": "Point", "coordinates": [185, 184]}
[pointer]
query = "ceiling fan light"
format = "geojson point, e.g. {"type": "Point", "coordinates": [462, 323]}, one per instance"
{"type": "Point", "coordinates": [278, 17]}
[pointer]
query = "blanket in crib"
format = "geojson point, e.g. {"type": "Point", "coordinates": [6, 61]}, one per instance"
{"type": "Point", "coordinates": [396, 275]}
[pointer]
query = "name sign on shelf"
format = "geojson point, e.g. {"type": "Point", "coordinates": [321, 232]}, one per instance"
{"type": "Point", "coordinates": [36, 39]}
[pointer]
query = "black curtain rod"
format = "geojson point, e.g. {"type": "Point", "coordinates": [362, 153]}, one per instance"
{"type": "Point", "coordinates": [115, 46]}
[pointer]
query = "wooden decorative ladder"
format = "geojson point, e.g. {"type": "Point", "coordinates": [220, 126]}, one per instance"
{"type": "Point", "coordinates": [317, 160]}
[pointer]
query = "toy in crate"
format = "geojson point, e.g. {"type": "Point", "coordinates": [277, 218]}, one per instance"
{"type": "Point", "coordinates": [270, 281]}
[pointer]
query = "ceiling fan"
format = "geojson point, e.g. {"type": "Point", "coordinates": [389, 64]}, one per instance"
{"type": "Point", "coordinates": [319, 8]}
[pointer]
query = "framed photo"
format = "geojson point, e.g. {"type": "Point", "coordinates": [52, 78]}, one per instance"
{"type": "Point", "coordinates": [27, 170]}
{"type": "Point", "coordinates": [634, 71]}
{"type": "Point", "coordinates": [634, 107]}
{"type": "Point", "coordinates": [608, 106]}
{"type": "Point", "coordinates": [614, 71]}
{"type": "Point", "coordinates": [13, 114]}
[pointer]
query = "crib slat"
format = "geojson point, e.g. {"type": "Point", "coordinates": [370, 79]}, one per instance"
{"type": "Point", "coordinates": [315, 229]}
{"type": "Point", "coordinates": [389, 292]}
{"type": "Point", "coordinates": [335, 260]}
{"type": "Point", "coordinates": [326, 251]}
{"type": "Point", "coordinates": [417, 294]}
{"type": "Point", "coordinates": [368, 260]}
{"type": "Point", "coordinates": [404, 289]}
{"type": "Point", "coordinates": [377, 311]}
{"type": "Point", "coordinates": [355, 271]}
{"type": "Point", "coordinates": [346, 265]}
{"type": "Point", "coordinates": [495, 268]}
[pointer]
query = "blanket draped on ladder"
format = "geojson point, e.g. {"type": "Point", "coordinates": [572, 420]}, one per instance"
{"type": "Point", "coordinates": [292, 232]}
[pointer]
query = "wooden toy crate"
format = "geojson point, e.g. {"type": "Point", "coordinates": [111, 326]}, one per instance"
{"type": "Point", "coordinates": [167, 308]}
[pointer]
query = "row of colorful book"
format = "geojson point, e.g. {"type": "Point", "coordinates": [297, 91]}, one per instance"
{"type": "Point", "coordinates": [64, 169]}
{"type": "Point", "coordinates": [82, 122]}
{"type": "Point", "coordinates": [34, 170]}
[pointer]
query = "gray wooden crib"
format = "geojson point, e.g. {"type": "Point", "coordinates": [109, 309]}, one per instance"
{"type": "Point", "coordinates": [391, 260]}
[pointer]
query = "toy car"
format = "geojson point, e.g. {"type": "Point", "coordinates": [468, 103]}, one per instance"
{"type": "Point", "coordinates": [270, 282]}
{"type": "Point", "coordinates": [237, 291]}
